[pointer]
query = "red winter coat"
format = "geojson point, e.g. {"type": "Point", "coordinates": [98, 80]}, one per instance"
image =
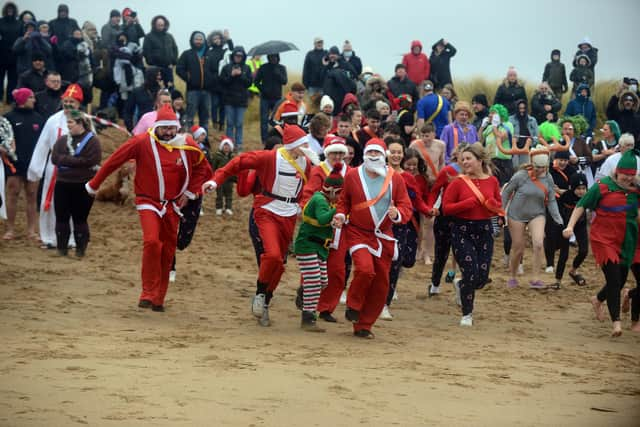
{"type": "Point", "coordinates": [418, 66]}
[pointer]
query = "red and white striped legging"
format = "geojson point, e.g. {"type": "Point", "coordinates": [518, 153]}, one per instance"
{"type": "Point", "coordinates": [314, 279]}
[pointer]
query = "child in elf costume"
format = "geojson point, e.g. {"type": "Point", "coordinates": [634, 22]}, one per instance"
{"type": "Point", "coordinates": [312, 244]}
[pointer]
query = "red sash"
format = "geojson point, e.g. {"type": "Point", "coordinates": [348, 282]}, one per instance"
{"type": "Point", "coordinates": [480, 196]}
{"type": "Point", "coordinates": [426, 156]}
{"type": "Point", "coordinates": [385, 186]}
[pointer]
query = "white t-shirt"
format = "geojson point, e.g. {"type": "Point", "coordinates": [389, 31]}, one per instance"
{"type": "Point", "coordinates": [609, 165]}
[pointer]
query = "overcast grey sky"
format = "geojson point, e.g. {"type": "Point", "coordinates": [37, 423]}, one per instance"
{"type": "Point", "coordinates": [490, 35]}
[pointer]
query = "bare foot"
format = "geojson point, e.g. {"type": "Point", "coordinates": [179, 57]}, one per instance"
{"type": "Point", "coordinates": [625, 300]}
{"type": "Point", "coordinates": [598, 308]}
{"type": "Point", "coordinates": [635, 326]}
{"type": "Point", "coordinates": [617, 329]}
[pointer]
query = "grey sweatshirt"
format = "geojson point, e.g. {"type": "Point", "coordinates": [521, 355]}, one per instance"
{"type": "Point", "coordinates": [528, 200]}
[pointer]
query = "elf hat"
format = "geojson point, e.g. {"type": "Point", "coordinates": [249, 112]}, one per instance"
{"type": "Point", "coordinates": [226, 141]}
{"type": "Point", "coordinates": [197, 130]}
{"type": "Point", "coordinates": [334, 144]}
{"type": "Point", "coordinates": [335, 179]}
{"type": "Point", "coordinates": [376, 144]}
{"type": "Point", "coordinates": [628, 164]}
{"type": "Point", "coordinates": [293, 137]}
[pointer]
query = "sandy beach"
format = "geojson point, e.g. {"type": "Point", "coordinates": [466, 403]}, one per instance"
{"type": "Point", "coordinates": [77, 350]}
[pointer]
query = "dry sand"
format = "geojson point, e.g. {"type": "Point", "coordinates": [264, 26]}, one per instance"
{"type": "Point", "coordinates": [76, 349]}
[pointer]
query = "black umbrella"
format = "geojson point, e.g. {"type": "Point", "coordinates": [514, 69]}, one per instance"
{"type": "Point", "coordinates": [271, 47]}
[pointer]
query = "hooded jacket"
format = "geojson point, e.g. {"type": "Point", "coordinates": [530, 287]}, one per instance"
{"type": "Point", "coordinates": [159, 48]}
{"type": "Point", "coordinates": [555, 74]}
{"type": "Point", "coordinates": [592, 53]}
{"type": "Point", "coordinates": [194, 66]}
{"type": "Point", "coordinates": [531, 124]}
{"type": "Point", "coordinates": [508, 93]}
{"type": "Point", "coordinates": [628, 120]}
{"type": "Point", "coordinates": [538, 102]}
{"type": "Point", "coordinates": [10, 31]}
{"type": "Point", "coordinates": [441, 64]}
{"type": "Point", "coordinates": [62, 28]}
{"type": "Point", "coordinates": [215, 57]}
{"type": "Point", "coordinates": [398, 87]}
{"type": "Point", "coordinates": [582, 73]}
{"type": "Point", "coordinates": [24, 48]}
{"type": "Point", "coordinates": [418, 66]}
{"type": "Point", "coordinates": [270, 78]}
{"type": "Point", "coordinates": [338, 80]}
{"type": "Point", "coordinates": [312, 71]}
{"type": "Point", "coordinates": [235, 89]}
{"type": "Point", "coordinates": [584, 106]}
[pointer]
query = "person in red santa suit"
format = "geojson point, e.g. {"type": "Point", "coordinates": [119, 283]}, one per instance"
{"type": "Point", "coordinates": [373, 198]}
{"type": "Point", "coordinates": [282, 173]}
{"type": "Point", "coordinates": [170, 169]}
{"type": "Point", "coordinates": [338, 263]}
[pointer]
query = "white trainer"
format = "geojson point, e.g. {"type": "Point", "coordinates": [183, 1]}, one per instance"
{"type": "Point", "coordinates": [219, 212]}
{"type": "Point", "coordinates": [520, 269]}
{"type": "Point", "coordinates": [257, 305]}
{"type": "Point", "coordinates": [343, 297]}
{"type": "Point", "coordinates": [549, 269]}
{"type": "Point", "coordinates": [456, 286]}
{"type": "Point", "coordinates": [505, 261]}
{"type": "Point", "coordinates": [228, 212]}
{"type": "Point", "coordinates": [385, 314]}
{"type": "Point", "coordinates": [434, 290]}
{"type": "Point", "coordinates": [172, 276]}
{"type": "Point", "coordinates": [395, 296]}
{"type": "Point", "coordinates": [467, 320]}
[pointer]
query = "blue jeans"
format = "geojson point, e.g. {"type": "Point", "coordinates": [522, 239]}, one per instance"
{"type": "Point", "coordinates": [198, 101]}
{"type": "Point", "coordinates": [217, 109]}
{"type": "Point", "coordinates": [235, 119]}
{"type": "Point", "coordinates": [266, 106]}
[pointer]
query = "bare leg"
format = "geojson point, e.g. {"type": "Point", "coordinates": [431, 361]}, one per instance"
{"type": "Point", "coordinates": [598, 308]}
{"type": "Point", "coordinates": [14, 185]}
{"type": "Point", "coordinates": [536, 228]}
{"type": "Point", "coordinates": [32, 207]}
{"type": "Point", "coordinates": [517, 231]}
{"type": "Point", "coordinates": [429, 240]}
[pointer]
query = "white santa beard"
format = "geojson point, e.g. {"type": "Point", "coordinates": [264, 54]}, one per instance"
{"type": "Point", "coordinates": [311, 155]}
{"type": "Point", "coordinates": [376, 165]}
{"type": "Point", "coordinates": [177, 141]}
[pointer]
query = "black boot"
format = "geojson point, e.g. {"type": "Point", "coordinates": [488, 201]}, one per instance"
{"type": "Point", "coordinates": [309, 322]}
{"type": "Point", "coordinates": [62, 242]}
{"type": "Point", "coordinates": [82, 240]}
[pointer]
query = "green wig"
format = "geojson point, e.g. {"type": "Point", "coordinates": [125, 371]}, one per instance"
{"type": "Point", "coordinates": [615, 129]}
{"type": "Point", "coordinates": [578, 121]}
{"type": "Point", "coordinates": [501, 110]}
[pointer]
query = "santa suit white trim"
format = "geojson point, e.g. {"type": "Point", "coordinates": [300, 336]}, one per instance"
{"type": "Point", "coordinates": [377, 221]}
{"type": "Point", "coordinates": [286, 178]}
{"type": "Point", "coordinates": [3, 199]}
{"type": "Point", "coordinates": [40, 165]}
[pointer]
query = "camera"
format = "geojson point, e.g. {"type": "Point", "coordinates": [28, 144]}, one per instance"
{"type": "Point", "coordinates": [134, 14]}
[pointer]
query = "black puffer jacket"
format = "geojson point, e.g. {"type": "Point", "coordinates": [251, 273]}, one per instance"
{"type": "Point", "coordinates": [270, 79]}
{"type": "Point", "coordinates": [10, 31]}
{"type": "Point", "coordinates": [235, 89]}
{"type": "Point", "coordinates": [338, 80]}
{"type": "Point", "coordinates": [159, 48]}
{"type": "Point", "coordinates": [197, 71]}
{"type": "Point", "coordinates": [508, 93]}
{"type": "Point", "coordinates": [48, 102]}
{"type": "Point", "coordinates": [312, 72]}
{"type": "Point", "coordinates": [27, 125]}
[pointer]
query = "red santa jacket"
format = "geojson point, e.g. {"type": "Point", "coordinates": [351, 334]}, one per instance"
{"type": "Point", "coordinates": [163, 173]}
{"type": "Point", "coordinates": [265, 164]}
{"type": "Point", "coordinates": [316, 179]}
{"type": "Point", "coordinates": [365, 229]}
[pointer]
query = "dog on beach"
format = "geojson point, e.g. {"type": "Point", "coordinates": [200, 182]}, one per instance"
{"type": "Point", "coordinates": [118, 191]}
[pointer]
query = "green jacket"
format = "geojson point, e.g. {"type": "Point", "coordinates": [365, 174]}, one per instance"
{"type": "Point", "coordinates": [490, 141]}
{"type": "Point", "coordinates": [316, 224]}
{"type": "Point", "coordinates": [220, 159]}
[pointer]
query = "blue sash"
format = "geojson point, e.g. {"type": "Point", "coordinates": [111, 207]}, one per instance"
{"type": "Point", "coordinates": [82, 143]}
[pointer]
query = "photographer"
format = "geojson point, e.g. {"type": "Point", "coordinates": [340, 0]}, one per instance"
{"type": "Point", "coordinates": [235, 79]}
{"type": "Point", "coordinates": [544, 101]}
{"type": "Point", "coordinates": [338, 76]}
{"type": "Point", "coordinates": [131, 26]}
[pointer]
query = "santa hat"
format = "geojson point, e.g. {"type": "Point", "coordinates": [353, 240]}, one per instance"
{"type": "Point", "coordinates": [335, 179]}
{"type": "Point", "coordinates": [539, 157]}
{"type": "Point", "coordinates": [226, 141]}
{"type": "Point", "coordinates": [627, 165]}
{"type": "Point", "coordinates": [197, 130]}
{"type": "Point", "coordinates": [289, 109]}
{"type": "Point", "coordinates": [21, 95]}
{"type": "Point", "coordinates": [334, 144]}
{"type": "Point", "coordinates": [376, 144]}
{"type": "Point", "coordinates": [74, 91]}
{"type": "Point", "coordinates": [293, 137]}
{"type": "Point", "coordinates": [166, 117]}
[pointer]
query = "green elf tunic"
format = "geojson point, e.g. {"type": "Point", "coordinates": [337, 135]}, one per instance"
{"type": "Point", "coordinates": [614, 232]}
{"type": "Point", "coordinates": [315, 232]}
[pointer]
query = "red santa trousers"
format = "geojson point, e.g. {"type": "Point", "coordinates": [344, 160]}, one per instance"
{"type": "Point", "coordinates": [276, 233]}
{"type": "Point", "coordinates": [369, 287]}
{"type": "Point", "coordinates": [336, 270]}
{"type": "Point", "coordinates": [160, 238]}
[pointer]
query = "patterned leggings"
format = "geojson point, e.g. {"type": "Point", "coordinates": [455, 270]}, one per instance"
{"type": "Point", "coordinates": [442, 240]}
{"type": "Point", "coordinates": [472, 243]}
{"type": "Point", "coordinates": [314, 278]}
{"type": "Point", "coordinates": [407, 238]}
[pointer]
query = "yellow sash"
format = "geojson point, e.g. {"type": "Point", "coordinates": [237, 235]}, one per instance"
{"type": "Point", "coordinates": [325, 168]}
{"type": "Point", "coordinates": [170, 147]}
{"type": "Point", "coordinates": [285, 155]}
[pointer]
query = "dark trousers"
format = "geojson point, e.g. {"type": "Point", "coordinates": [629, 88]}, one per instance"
{"type": "Point", "coordinates": [72, 202]}
{"type": "Point", "coordinates": [255, 237]}
{"type": "Point", "coordinates": [407, 238]}
{"type": "Point", "coordinates": [167, 75]}
{"type": "Point", "coordinates": [472, 243]}
{"type": "Point", "coordinates": [553, 241]}
{"type": "Point", "coordinates": [10, 71]}
{"type": "Point", "coordinates": [442, 246]}
{"type": "Point", "coordinates": [266, 107]}
{"type": "Point", "coordinates": [224, 193]}
{"type": "Point", "coordinates": [217, 109]}
{"type": "Point", "coordinates": [615, 276]}
{"type": "Point", "coordinates": [634, 294]}
{"type": "Point", "coordinates": [187, 227]}
{"type": "Point", "coordinates": [504, 170]}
